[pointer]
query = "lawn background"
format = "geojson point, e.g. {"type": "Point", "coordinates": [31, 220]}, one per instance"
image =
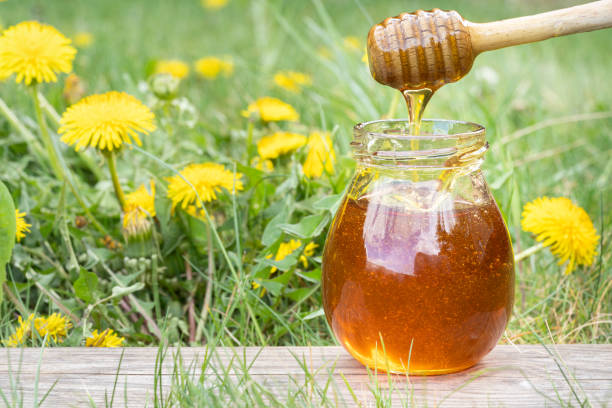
{"type": "Point", "coordinates": [544, 83]}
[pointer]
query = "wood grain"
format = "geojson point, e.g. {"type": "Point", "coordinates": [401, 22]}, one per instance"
{"type": "Point", "coordinates": [522, 376]}
{"type": "Point", "coordinates": [522, 30]}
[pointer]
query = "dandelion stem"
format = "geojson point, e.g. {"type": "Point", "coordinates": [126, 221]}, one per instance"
{"type": "Point", "coordinates": [528, 252]}
{"type": "Point", "coordinates": [190, 303]}
{"type": "Point", "coordinates": [16, 123]}
{"type": "Point", "coordinates": [249, 142]}
{"type": "Point", "coordinates": [156, 287]}
{"type": "Point", "coordinates": [44, 132]}
{"type": "Point", "coordinates": [168, 118]}
{"type": "Point", "coordinates": [112, 167]}
{"type": "Point", "coordinates": [208, 293]}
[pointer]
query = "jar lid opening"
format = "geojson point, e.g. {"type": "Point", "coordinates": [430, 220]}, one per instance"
{"type": "Point", "coordinates": [439, 143]}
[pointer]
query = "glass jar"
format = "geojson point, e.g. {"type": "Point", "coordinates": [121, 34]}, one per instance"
{"type": "Point", "coordinates": [418, 270]}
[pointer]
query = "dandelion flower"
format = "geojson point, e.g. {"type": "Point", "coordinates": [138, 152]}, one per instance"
{"type": "Point", "coordinates": [211, 67]}
{"type": "Point", "coordinates": [271, 109]}
{"type": "Point", "coordinates": [563, 227]}
{"type": "Point", "coordinates": [352, 43]}
{"type": "Point", "coordinates": [207, 178]}
{"type": "Point", "coordinates": [264, 165]}
{"type": "Point", "coordinates": [214, 4]}
{"type": "Point", "coordinates": [292, 81]}
{"type": "Point", "coordinates": [140, 204]}
{"type": "Point", "coordinates": [285, 249]}
{"type": "Point", "coordinates": [321, 155]}
{"type": "Point", "coordinates": [55, 326]}
{"type": "Point", "coordinates": [309, 250]}
{"type": "Point", "coordinates": [176, 68]}
{"type": "Point", "coordinates": [105, 338]}
{"type": "Point", "coordinates": [22, 332]}
{"type": "Point", "coordinates": [106, 121]}
{"type": "Point", "coordinates": [22, 226]}
{"type": "Point", "coordinates": [35, 52]}
{"type": "Point", "coordinates": [279, 143]}
{"type": "Point", "coordinates": [196, 212]}
{"type": "Point", "coordinates": [83, 39]}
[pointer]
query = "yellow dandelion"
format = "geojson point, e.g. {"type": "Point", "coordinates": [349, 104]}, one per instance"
{"type": "Point", "coordinates": [321, 155]}
{"type": "Point", "coordinates": [285, 249]}
{"type": "Point", "coordinates": [563, 227]}
{"type": "Point", "coordinates": [105, 338]}
{"type": "Point", "coordinates": [196, 212]}
{"type": "Point", "coordinates": [176, 68]}
{"type": "Point", "coordinates": [264, 165]}
{"type": "Point", "coordinates": [271, 109]}
{"type": "Point", "coordinates": [279, 143]}
{"type": "Point", "coordinates": [214, 4]}
{"type": "Point", "coordinates": [140, 204]}
{"type": "Point", "coordinates": [206, 178]}
{"type": "Point", "coordinates": [22, 332]}
{"type": "Point", "coordinates": [55, 326]}
{"type": "Point", "coordinates": [352, 43]}
{"type": "Point", "coordinates": [35, 53]}
{"type": "Point", "coordinates": [309, 250]}
{"type": "Point", "coordinates": [106, 121]}
{"type": "Point", "coordinates": [211, 67]}
{"type": "Point", "coordinates": [83, 39]}
{"type": "Point", "coordinates": [292, 81]}
{"type": "Point", "coordinates": [22, 226]}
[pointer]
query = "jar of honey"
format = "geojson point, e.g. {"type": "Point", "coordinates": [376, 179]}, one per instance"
{"type": "Point", "coordinates": [418, 270]}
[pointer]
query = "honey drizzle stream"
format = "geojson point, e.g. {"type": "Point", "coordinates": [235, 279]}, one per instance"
{"type": "Point", "coordinates": [416, 101]}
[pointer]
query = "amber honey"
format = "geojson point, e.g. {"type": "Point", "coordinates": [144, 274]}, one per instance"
{"type": "Point", "coordinates": [419, 291]}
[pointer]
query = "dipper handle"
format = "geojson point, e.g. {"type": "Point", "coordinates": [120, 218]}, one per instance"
{"type": "Point", "coordinates": [523, 30]}
{"type": "Point", "coordinates": [427, 49]}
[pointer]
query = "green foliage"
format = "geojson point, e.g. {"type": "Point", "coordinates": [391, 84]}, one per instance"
{"type": "Point", "coordinates": [7, 232]}
{"type": "Point", "coordinates": [86, 285]}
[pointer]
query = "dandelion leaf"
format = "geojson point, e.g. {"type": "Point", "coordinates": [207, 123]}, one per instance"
{"type": "Point", "coordinates": [7, 231]}
{"type": "Point", "coordinates": [309, 227]}
{"type": "Point", "coordinates": [86, 285]}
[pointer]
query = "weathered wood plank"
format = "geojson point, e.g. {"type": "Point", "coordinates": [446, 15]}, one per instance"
{"type": "Point", "coordinates": [510, 376]}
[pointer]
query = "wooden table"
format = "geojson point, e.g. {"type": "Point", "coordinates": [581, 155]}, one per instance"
{"type": "Point", "coordinates": [521, 376]}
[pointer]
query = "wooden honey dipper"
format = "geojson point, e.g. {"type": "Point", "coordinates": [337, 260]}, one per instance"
{"type": "Point", "coordinates": [427, 49]}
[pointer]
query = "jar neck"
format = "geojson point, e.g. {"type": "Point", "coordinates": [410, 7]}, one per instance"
{"type": "Point", "coordinates": [440, 146]}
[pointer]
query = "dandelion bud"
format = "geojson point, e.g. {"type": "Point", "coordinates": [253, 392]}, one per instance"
{"type": "Point", "coordinates": [164, 86]}
{"type": "Point", "coordinates": [74, 89]}
{"type": "Point", "coordinates": [137, 233]}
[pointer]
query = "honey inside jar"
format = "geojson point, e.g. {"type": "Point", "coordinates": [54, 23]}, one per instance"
{"type": "Point", "coordinates": [418, 274]}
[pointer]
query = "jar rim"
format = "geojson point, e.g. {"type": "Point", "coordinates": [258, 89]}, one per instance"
{"type": "Point", "coordinates": [441, 144]}
{"type": "Point", "coordinates": [477, 129]}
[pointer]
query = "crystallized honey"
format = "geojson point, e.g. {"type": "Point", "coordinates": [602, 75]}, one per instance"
{"type": "Point", "coordinates": [419, 291]}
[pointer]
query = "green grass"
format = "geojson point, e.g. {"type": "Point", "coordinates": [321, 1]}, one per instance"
{"type": "Point", "coordinates": [545, 84]}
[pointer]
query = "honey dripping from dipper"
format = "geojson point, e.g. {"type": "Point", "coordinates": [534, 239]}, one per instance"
{"type": "Point", "coordinates": [417, 53]}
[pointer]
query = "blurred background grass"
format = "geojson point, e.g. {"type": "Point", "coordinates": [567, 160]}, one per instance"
{"type": "Point", "coordinates": [506, 91]}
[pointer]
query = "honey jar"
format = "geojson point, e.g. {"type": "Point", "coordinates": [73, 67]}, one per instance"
{"type": "Point", "coordinates": [418, 270]}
